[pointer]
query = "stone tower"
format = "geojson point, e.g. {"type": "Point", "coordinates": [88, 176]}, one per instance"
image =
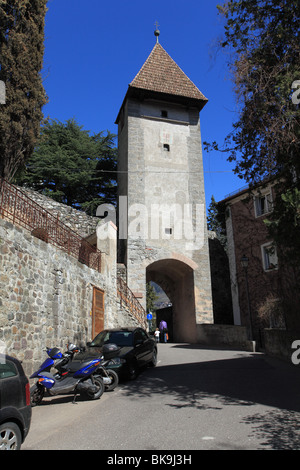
{"type": "Point", "coordinates": [161, 211]}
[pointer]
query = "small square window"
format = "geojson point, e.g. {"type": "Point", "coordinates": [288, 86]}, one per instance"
{"type": "Point", "coordinates": [166, 147]}
{"type": "Point", "coordinates": [168, 231]}
{"type": "Point", "coordinates": [164, 113]}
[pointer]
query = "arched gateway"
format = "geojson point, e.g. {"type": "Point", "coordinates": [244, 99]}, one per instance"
{"type": "Point", "coordinates": [162, 232]}
{"type": "Point", "coordinates": [177, 280]}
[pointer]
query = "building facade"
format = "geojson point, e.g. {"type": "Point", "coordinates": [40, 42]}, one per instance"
{"type": "Point", "coordinates": [262, 284]}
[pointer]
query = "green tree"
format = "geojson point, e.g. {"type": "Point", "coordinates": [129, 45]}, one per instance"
{"type": "Point", "coordinates": [151, 297]}
{"type": "Point", "coordinates": [263, 38]}
{"type": "Point", "coordinates": [21, 60]}
{"type": "Point", "coordinates": [216, 220]}
{"type": "Point", "coordinates": [284, 225]}
{"type": "Point", "coordinates": [72, 166]}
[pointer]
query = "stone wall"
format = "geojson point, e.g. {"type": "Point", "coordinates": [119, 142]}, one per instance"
{"type": "Point", "coordinates": [278, 342]}
{"type": "Point", "coordinates": [46, 297]}
{"type": "Point", "coordinates": [76, 220]}
{"type": "Point", "coordinates": [226, 336]}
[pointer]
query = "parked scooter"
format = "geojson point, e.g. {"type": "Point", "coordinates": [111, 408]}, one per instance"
{"type": "Point", "coordinates": [78, 378]}
{"type": "Point", "coordinates": [62, 359]}
{"type": "Point", "coordinates": [109, 376]}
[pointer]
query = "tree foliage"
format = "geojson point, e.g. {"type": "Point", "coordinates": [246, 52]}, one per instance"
{"type": "Point", "coordinates": [284, 225]}
{"type": "Point", "coordinates": [263, 38]}
{"type": "Point", "coordinates": [21, 60]}
{"type": "Point", "coordinates": [72, 166]}
{"type": "Point", "coordinates": [216, 220]}
{"type": "Point", "coordinates": [151, 297]}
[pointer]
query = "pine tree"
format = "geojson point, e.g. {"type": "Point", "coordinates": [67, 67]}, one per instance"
{"type": "Point", "coordinates": [21, 58]}
{"type": "Point", "coordinates": [151, 298]}
{"type": "Point", "coordinates": [72, 166]}
{"type": "Point", "coordinates": [216, 220]}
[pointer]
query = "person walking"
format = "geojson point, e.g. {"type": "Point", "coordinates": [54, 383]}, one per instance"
{"type": "Point", "coordinates": [163, 327]}
{"type": "Point", "coordinates": [156, 335]}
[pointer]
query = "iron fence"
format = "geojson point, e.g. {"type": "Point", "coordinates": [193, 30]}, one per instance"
{"type": "Point", "coordinates": [127, 297]}
{"type": "Point", "coordinates": [18, 208]}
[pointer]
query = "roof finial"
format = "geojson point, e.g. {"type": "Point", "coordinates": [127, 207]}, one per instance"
{"type": "Point", "coordinates": [156, 32]}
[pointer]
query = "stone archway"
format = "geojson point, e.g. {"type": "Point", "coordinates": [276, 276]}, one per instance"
{"type": "Point", "coordinates": [176, 278]}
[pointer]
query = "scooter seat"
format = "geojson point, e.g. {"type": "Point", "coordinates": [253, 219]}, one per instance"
{"type": "Point", "coordinates": [74, 366]}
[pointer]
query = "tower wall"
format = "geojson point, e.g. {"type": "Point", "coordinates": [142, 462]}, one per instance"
{"type": "Point", "coordinates": [161, 175]}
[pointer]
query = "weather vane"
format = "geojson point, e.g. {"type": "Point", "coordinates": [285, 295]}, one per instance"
{"type": "Point", "coordinates": [156, 32]}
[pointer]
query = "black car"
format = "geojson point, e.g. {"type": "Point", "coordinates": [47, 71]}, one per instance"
{"type": "Point", "coordinates": [136, 350]}
{"type": "Point", "coordinates": [15, 408]}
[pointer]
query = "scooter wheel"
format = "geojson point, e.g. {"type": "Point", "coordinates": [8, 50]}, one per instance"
{"type": "Point", "coordinates": [100, 389]}
{"type": "Point", "coordinates": [36, 395]}
{"type": "Point", "coordinates": [114, 380]}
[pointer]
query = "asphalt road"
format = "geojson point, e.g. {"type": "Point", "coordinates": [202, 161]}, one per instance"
{"type": "Point", "coordinates": [195, 399]}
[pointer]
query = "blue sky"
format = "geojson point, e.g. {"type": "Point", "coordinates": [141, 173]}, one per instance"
{"type": "Point", "coordinates": [93, 50]}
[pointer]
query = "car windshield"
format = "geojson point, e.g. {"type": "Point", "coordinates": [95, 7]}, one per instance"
{"type": "Point", "coordinates": [120, 338]}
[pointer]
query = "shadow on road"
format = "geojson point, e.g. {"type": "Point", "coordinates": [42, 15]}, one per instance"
{"type": "Point", "coordinates": [242, 381]}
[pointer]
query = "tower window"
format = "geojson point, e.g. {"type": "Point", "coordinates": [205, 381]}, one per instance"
{"type": "Point", "coordinates": [166, 147]}
{"type": "Point", "coordinates": [164, 113]}
{"type": "Point", "coordinates": [168, 231]}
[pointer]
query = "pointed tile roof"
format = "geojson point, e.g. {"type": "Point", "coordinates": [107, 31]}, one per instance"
{"type": "Point", "coordinates": [162, 75]}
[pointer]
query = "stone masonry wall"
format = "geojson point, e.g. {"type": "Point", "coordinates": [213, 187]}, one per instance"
{"type": "Point", "coordinates": [76, 220]}
{"type": "Point", "coordinates": [46, 297]}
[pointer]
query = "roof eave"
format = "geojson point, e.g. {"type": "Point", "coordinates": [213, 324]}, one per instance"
{"type": "Point", "coordinates": [141, 94]}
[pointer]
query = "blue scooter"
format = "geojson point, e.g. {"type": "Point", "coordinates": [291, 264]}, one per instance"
{"type": "Point", "coordinates": [79, 377]}
{"type": "Point", "coordinates": [109, 351]}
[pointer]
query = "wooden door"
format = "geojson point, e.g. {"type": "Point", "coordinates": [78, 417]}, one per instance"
{"type": "Point", "coordinates": [97, 311]}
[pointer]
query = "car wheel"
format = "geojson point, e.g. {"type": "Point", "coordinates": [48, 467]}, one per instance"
{"type": "Point", "coordinates": [153, 361]}
{"type": "Point", "coordinates": [133, 370]}
{"type": "Point", "coordinates": [10, 436]}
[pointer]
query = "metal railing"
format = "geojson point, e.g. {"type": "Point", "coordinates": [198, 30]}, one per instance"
{"type": "Point", "coordinates": [127, 297]}
{"type": "Point", "coordinates": [18, 208]}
